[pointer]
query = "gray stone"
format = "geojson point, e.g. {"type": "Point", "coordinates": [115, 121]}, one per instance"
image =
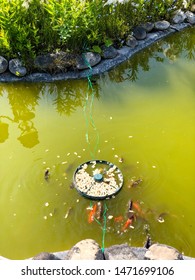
{"type": "Point", "coordinates": [190, 17]}
{"type": "Point", "coordinates": [16, 67]}
{"type": "Point", "coordinates": [88, 59]}
{"type": "Point", "coordinates": [3, 64]}
{"type": "Point", "coordinates": [179, 17]}
{"type": "Point", "coordinates": [120, 252]}
{"type": "Point", "coordinates": [55, 62]}
{"type": "Point", "coordinates": [109, 52]}
{"type": "Point", "coordinates": [148, 26]}
{"type": "Point", "coordinates": [45, 256]}
{"type": "Point", "coordinates": [162, 252]}
{"type": "Point", "coordinates": [139, 33]}
{"type": "Point", "coordinates": [87, 249]}
{"type": "Point", "coordinates": [162, 25]}
{"type": "Point", "coordinates": [131, 41]}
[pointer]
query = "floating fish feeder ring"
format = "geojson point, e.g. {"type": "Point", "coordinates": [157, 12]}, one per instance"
{"type": "Point", "coordinates": [98, 179]}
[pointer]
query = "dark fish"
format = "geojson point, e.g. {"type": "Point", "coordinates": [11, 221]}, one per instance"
{"type": "Point", "coordinates": [130, 205]}
{"type": "Point", "coordinates": [72, 185]}
{"type": "Point", "coordinates": [47, 174]}
{"type": "Point", "coordinates": [130, 212]}
{"type": "Point", "coordinates": [134, 183]}
{"type": "Point", "coordinates": [148, 242]}
{"type": "Point", "coordinates": [69, 168]}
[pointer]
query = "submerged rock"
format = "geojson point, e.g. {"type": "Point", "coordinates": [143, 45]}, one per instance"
{"type": "Point", "coordinates": [88, 59]}
{"type": "Point", "coordinates": [16, 67]}
{"type": "Point", "coordinates": [3, 64]}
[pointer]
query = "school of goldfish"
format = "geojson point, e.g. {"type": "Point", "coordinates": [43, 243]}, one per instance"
{"type": "Point", "coordinates": [134, 211]}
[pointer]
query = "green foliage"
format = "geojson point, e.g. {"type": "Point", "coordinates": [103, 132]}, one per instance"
{"type": "Point", "coordinates": [32, 27]}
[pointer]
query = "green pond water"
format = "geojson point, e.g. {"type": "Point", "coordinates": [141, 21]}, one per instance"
{"type": "Point", "coordinates": [143, 112]}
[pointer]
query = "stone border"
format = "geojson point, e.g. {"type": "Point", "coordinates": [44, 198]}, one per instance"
{"type": "Point", "coordinates": [89, 249]}
{"type": "Point", "coordinates": [103, 66]}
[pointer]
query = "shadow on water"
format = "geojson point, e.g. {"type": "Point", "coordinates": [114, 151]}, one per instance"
{"type": "Point", "coordinates": [169, 50]}
{"type": "Point", "coordinates": [23, 101]}
{"type": "Point", "coordinates": [70, 95]}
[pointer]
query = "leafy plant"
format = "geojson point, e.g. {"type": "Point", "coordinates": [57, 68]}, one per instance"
{"type": "Point", "coordinates": [32, 27]}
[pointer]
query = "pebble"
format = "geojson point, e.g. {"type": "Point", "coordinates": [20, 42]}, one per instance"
{"type": "Point", "coordinates": [110, 217]}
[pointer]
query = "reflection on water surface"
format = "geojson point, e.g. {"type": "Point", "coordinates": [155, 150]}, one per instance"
{"type": "Point", "coordinates": [141, 118]}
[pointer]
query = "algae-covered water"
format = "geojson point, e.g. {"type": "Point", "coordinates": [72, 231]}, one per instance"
{"type": "Point", "coordinates": [141, 117]}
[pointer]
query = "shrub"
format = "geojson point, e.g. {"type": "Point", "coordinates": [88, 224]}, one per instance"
{"type": "Point", "coordinates": [32, 27]}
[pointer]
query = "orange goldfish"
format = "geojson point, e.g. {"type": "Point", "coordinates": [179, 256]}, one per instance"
{"type": "Point", "coordinates": [128, 223]}
{"type": "Point", "coordinates": [137, 207]}
{"type": "Point", "coordinates": [118, 219]}
{"type": "Point", "coordinates": [92, 214]}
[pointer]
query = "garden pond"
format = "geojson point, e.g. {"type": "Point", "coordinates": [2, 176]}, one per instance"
{"type": "Point", "coordinates": [139, 116]}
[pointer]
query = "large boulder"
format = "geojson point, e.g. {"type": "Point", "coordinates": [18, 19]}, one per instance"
{"type": "Point", "coordinates": [162, 252]}
{"type": "Point", "coordinates": [16, 67]}
{"type": "Point", "coordinates": [3, 64]}
{"type": "Point", "coordinates": [87, 249]}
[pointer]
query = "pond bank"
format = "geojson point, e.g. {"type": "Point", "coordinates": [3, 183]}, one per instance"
{"type": "Point", "coordinates": [89, 249]}
{"type": "Point", "coordinates": [104, 64]}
